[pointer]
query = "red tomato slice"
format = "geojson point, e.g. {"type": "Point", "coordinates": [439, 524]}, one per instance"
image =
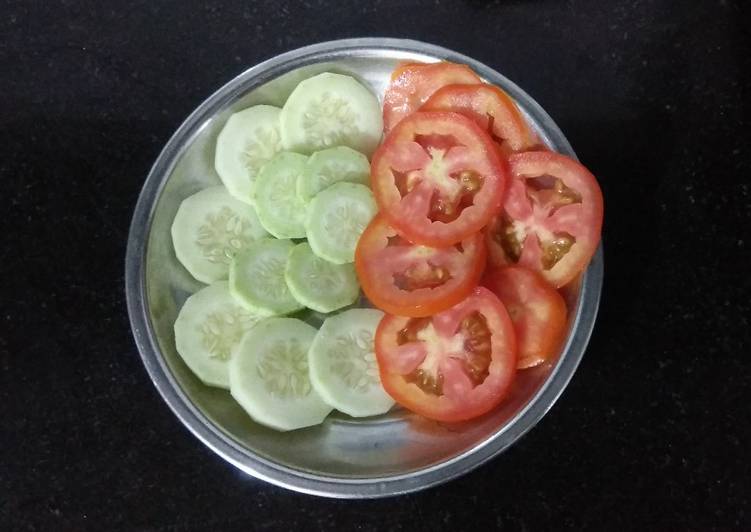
{"type": "Point", "coordinates": [413, 83]}
{"type": "Point", "coordinates": [414, 280]}
{"type": "Point", "coordinates": [551, 217]}
{"type": "Point", "coordinates": [438, 178]}
{"type": "Point", "coordinates": [453, 366]}
{"type": "Point", "coordinates": [491, 108]}
{"type": "Point", "coordinates": [537, 311]}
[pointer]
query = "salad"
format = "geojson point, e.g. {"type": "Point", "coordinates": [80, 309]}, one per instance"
{"type": "Point", "coordinates": [441, 207]}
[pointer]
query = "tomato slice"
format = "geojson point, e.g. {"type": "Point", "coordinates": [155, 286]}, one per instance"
{"type": "Point", "coordinates": [438, 178]}
{"type": "Point", "coordinates": [409, 279]}
{"type": "Point", "coordinates": [453, 366]}
{"type": "Point", "coordinates": [537, 311]}
{"type": "Point", "coordinates": [551, 217]}
{"type": "Point", "coordinates": [491, 108]}
{"type": "Point", "coordinates": [413, 83]}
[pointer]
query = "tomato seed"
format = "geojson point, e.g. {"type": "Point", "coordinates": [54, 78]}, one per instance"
{"type": "Point", "coordinates": [427, 382]}
{"type": "Point", "coordinates": [554, 250]}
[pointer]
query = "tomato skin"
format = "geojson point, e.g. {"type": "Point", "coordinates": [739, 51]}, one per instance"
{"type": "Point", "coordinates": [405, 66]}
{"type": "Point", "coordinates": [581, 219]}
{"type": "Point", "coordinates": [413, 83]}
{"type": "Point", "coordinates": [457, 404]}
{"type": "Point", "coordinates": [410, 214]}
{"type": "Point", "coordinates": [481, 103]}
{"type": "Point", "coordinates": [377, 263]}
{"type": "Point", "coordinates": [537, 311]}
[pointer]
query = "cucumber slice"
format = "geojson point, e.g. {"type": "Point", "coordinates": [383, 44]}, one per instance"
{"type": "Point", "coordinates": [331, 110]}
{"type": "Point", "coordinates": [269, 375]}
{"type": "Point", "coordinates": [210, 227]}
{"type": "Point", "coordinates": [256, 278]}
{"type": "Point", "coordinates": [343, 367]}
{"type": "Point", "coordinates": [279, 208]}
{"type": "Point", "coordinates": [337, 217]}
{"type": "Point", "coordinates": [249, 139]}
{"type": "Point", "coordinates": [208, 331]}
{"type": "Point", "coordinates": [318, 283]}
{"type": "Point", "coordinates": [326, 167]}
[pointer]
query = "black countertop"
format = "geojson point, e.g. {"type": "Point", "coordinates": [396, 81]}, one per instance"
{"type": "Point", "coordinates": [652, 433]}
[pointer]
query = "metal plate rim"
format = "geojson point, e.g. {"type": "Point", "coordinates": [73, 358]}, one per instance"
{"type": "Point", "coordinates": [224, 446]}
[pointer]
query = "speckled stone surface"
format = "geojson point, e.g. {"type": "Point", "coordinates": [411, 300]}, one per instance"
{"type": "Point", "coordinates": [653, 432]}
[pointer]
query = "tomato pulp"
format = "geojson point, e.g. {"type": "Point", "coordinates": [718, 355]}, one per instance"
{"type": "Point", "coordinates": [409, 279]}
{"type": "Point", "coordinates": [537, 311]}
{"type": "Point", "coordinates": [453, 366]}
{"type": "Point", "coordinates": [438, 178]}
{"type": "Point", "coordinates": [413, 83]}
{"type": "Point", "coordinates": [491, 108]}
{"type": "Point", "coordinates": [551, 217]}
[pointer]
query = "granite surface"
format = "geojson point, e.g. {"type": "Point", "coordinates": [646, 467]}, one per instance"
{"type": "Point", "coordinates": [652, 433]}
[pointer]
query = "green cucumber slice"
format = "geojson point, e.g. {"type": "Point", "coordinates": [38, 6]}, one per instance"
{"type": "Point", "coordinates": [210, 227]}
{"type": "Point", "coordinates": [248, 140]}
{"type": "Point", "coordinates": [343, 367]}
{"type": "Point", "coordinates": [269, 375]}
{"type": "Point", "coordinates": [326, 167]}
{"type": "Point", "coordinates": [337, 217]}
{"type": "Point", "coordinates": [330, 110]}
{"type": "Point", "coordinates": [279, 208]}
{"type": "Point", "coordinates": [256, 278]}
{"type": "Point", "coordinates": [318, 283]}
{"type": "Point", "coordinates": [208, 331]}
